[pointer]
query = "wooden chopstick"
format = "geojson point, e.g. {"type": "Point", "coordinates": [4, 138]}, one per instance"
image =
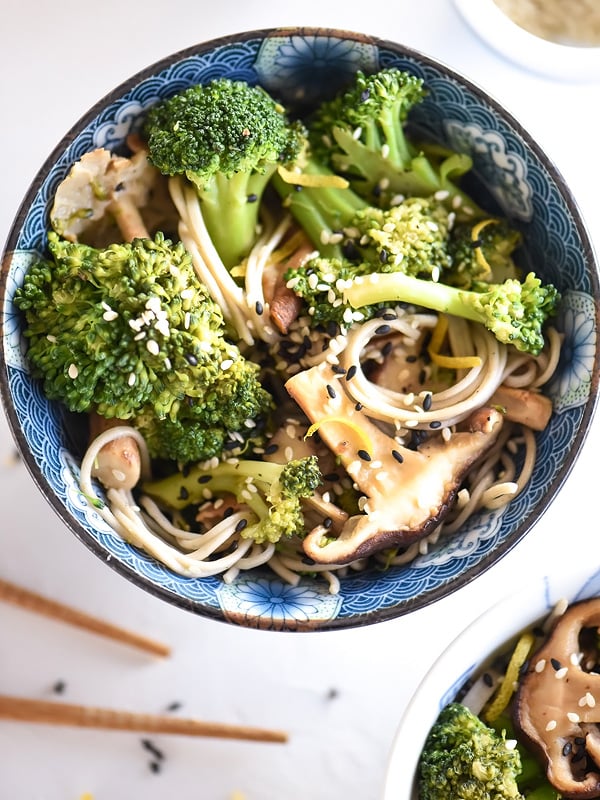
{"type": "Point", "coordinates": [39, 604]}
{"type": "Point", "coordinates": [22, 709]}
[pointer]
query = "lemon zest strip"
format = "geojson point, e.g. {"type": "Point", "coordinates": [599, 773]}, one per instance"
{"type": "Point", "coordinates": [364, 438]}
{"type": "Point", "coordinates": [449, 362]}
{"type": "Point", "coordinates": [507, 687]}
{"type": "Point", "coordinates": [312, 181]}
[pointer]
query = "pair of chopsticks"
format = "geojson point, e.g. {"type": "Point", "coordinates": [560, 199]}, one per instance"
{"type": "Point", "coordinates": [21, 709]}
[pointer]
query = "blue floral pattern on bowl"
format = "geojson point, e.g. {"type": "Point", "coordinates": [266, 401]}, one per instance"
{"type": "Point", "coordinates": [300, 66]}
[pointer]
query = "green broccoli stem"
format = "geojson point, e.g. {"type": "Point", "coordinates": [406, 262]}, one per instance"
{"type": "Point", "coordinates": [230, 207]}
{"type": "Point", "coordinates": [320, 210]}
{"type": "Point", "coordinates": [392, 124]}
{"type": "Point", "coordinates": [180, 490]}
{"type": "Point", "coordinates": [396, 287]}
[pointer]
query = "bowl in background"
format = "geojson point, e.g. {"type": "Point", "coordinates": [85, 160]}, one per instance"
{"type": "Point", "coordinates": [490, 634]}
{"type": "Point", "coordinates": [560, 60]}
{"type": "Point", "coordinates": [513, 173]}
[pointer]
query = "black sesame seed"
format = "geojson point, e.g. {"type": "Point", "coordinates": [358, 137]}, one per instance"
{"type": "Point", "coordinates": [259, 307]}
{"type": "Point", "coordinates": [386, 349]}
{"type": "Point", "coordinates": [352, 370]}
{"type": "Point", "coordinates": [364, 455]}
{"type": "Point", "coordinates": [152, 748]}
{"type": "Point", "coordinates": [191, 359]}
{"type": "Point", "coordinates": [252, 198]}
{"type": "Point", "coordinates": [174, 706]}
{"type": "Point", "coordinates": [228, 512]}
{"type": "Point", "coordinates": [579, 740]}
{"type": "Point", "coordinates": [270, 449]}
{"type": "Point", "coordinates": [183, 493]}
{"type": "Point", "coordinates": [383, 256]}
{"type": "Point", "coordinates": [427, 400]}
{"type": "Point", "coordinates": [358, 407]}
{"type": "Point", "coordinates": [241, 525]}
{"type": "Point", "coordinates": [331, 476]}
{"type": "Point", "coordinates": [327, 522]}
{"type": "Point", "coordinates": [59, 687]}
{"type": "Point", "coordinates": [422, 377]}
{"type": "Point", "coordinates": [297, 188]}
{"type": "Point", "coordinates": [435, 424]}
{"type": "Point", "coordinates": [555, 663]}
{"type": "Point", "coordinates": [389, 316]}
{"type": "Point", "coordinates": [155, 766]}
{"type": "Point", "coordinates": [204, 478]}
{"type": "Point", "coordinates": [578, 756]}
{"type": "Point", "coordinates": [398, 456]}
{"type": "Point", "coordinates": [382, 330]}
{"type": "Point", "coordinates": [411, 359]}
{"type": "Point", "coordinates": [310, 562]}
{"type": "Point", "coordinates": [487, 679]}
{"type": "Point", "coordinates": [364, 95]}
{"type": "Point", "coordinates": [231, 444]}
{"type": "Point", "coordinates": [476, 243]}
{"type": "Point", "coordinates": [567, 748]}
{"type": "Point", "coordinates": [331, 391]}
{"type": "Point", "coordinates": [338, 370]}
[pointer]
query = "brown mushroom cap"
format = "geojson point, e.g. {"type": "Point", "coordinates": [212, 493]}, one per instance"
{"type": "Point", "coordinates": [555, 705]}
{"type": "Point", "coordinates": [408, 492]}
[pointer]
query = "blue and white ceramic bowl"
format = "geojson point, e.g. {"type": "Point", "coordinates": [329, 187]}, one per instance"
{"type": "Point", "coordinates": [494, 632]}
{"type": "Point", "coordinates": [300, 65]}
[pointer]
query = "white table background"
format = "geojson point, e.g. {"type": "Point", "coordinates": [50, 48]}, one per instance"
{"type": "Point", "coordinates": [339, 695]}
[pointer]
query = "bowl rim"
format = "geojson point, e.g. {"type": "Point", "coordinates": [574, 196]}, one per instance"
{"type": "Point", "coordinates": [404, 606]}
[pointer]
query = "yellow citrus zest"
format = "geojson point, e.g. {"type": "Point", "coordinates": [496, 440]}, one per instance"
{"type": "Point", "coordinates": [288, 248]}
{"type": "Point", "coordinates": [449, 362]}
{"type": "Point", "coordinates": [507, 687]}
{"type": "Point", "coordinates": [316, 181]}
{"type": "Point", "coordinates": [365, 440]}
{"type": "Point", "coordinates": [476, 230]}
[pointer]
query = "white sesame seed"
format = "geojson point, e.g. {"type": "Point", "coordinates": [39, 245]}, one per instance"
{"type": "Point", "coordinates": [362, 502]}
{"type": "Point", "coordinates": [335, 238]}
{"type": "Point", "coordinates": [118, 475]}
{"type": "Point", "coordinates": [73, 371]}
{"type": "Point", "coordinates": [131, 379]}
{"type": "Point", "coordinates": [162, 326]}
{"type": "Point", "coordinates": [326, 497]}
{"type": "Point", "coordinates": [245, 495]}
{"type": "Point", "coordinates": [510, 744]}
{"type": "Point", "coordinates": [561, 673]}
{"type": "Point", "coordinates": [109, 316]}
{"type": "Point", "coordinates": [551, 725]}
{"type": "Point", "coordinates": [249, 423]}
{"type": "Point", "coordinates": [591, 700]}
{"type": "Point", "coordinates": [572, 716]}
{"type": "Point", "coordinates": [187, 294]}
{"type": "Point", "coordinates": [153, 304]}
{"type": "Point", "coordinates": [186, 320]}
{"type": "Point", "coordinates": [140, 335]}
{"type": "Point", "coordinates": [324, 237]}
{"type": "Point", "coordinates": [228, 362]}
{"type": "Point", "coordinates": [357, 133]}
{"type": "Point", "coordinates": [385, 150]}
{"type": "Point", "coordinates": [152, 346]}
{"type": "Point", "coordinates": [539, 667]}
{"type": "Point", "coordinates": [291, 431]}
{"type": "Point", "coordinates": [441, 194]}
{"type": "Point", "coordinates": [288, 454]}
{"type": "Point", "coordinates": [51, 338]}
{"type": "Point", "coordinates": [456, 201]}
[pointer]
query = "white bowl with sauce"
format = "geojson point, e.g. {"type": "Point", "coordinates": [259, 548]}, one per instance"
{"type": "Point", "coordinates": [564, 60]}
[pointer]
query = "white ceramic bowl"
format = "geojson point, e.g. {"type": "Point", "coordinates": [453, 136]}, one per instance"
{"type": "Point", "coordinates": [484, 638]}
{"type": "Point", "coordinates": [562, 61]}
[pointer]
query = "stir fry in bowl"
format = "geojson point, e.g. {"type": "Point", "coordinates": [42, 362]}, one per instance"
{"type": "Point", "coordinates": [294, 338]}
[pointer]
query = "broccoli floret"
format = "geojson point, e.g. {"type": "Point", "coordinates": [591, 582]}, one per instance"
{"type": "Point", "coordinates": [463, 758]}
{"type": "Point", "coordinates": [128, 331]}
{"type": "Point", "coordinates": [273, 492]}
{"type": "Point", "coordinates": [227, 138]}
{"type": "Point", "coordinates": [411, 237]}
{"type": "Point", "coordinates": [515, 312]}
{"type": "Point", "coordinates": [362, 134]}
{"type": "Point", "coordinates": [482, 253]}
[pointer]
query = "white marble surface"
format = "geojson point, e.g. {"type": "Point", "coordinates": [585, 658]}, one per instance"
{"type": "Point", "coordinates": [339, 695]}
